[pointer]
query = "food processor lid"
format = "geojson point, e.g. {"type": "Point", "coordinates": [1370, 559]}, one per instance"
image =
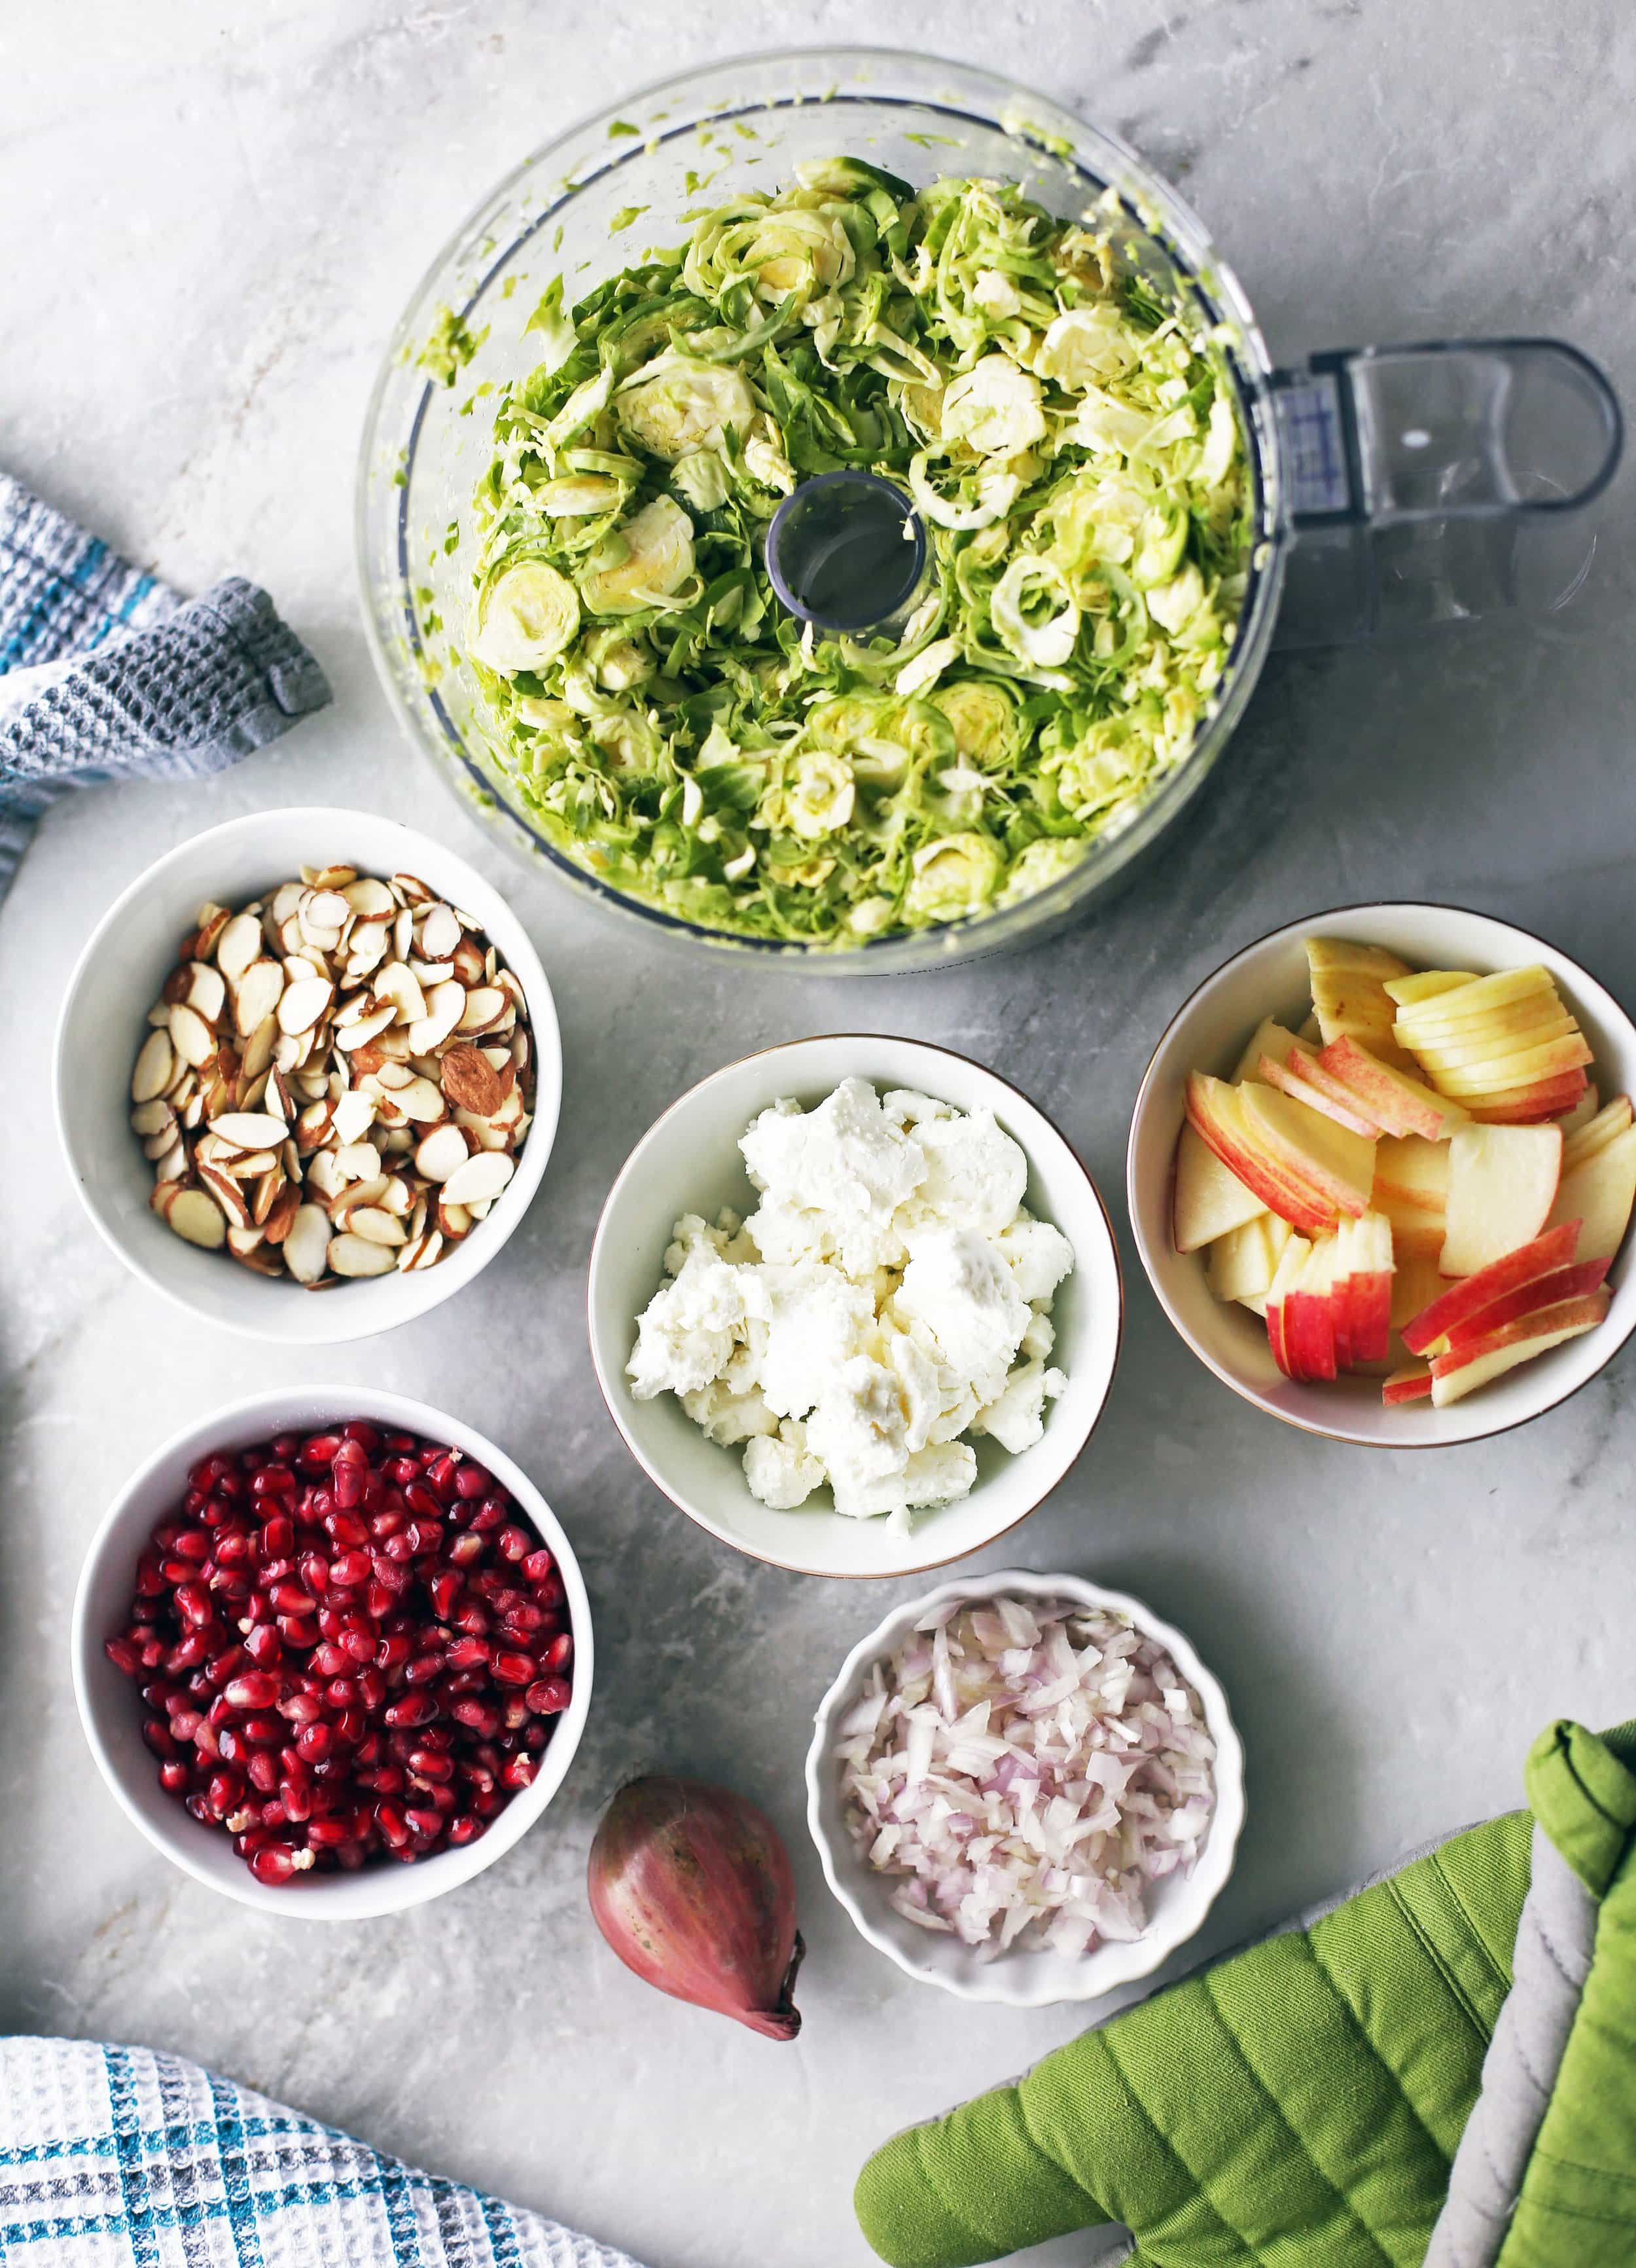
{"type": "Point", "coordinates": [846, 551]}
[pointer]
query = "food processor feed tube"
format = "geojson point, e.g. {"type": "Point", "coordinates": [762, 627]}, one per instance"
{"type": "Point", "coordinates": [1437, 483]}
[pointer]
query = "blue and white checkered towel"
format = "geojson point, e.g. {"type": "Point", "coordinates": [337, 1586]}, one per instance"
{"type": "Point", "coordinates": [119, 2158]}
{"type": "Point", "coordinates": [105, 672]}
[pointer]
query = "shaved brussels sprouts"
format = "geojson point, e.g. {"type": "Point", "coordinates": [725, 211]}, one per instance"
{"type": "Point", "coordinates": [1075, 454]}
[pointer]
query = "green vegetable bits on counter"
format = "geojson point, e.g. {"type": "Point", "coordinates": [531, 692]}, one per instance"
{"type": "Point", "coordinates": [1072, 448]}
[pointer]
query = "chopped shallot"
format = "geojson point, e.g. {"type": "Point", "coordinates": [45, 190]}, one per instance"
{"type": "Point", "coordinates": [1029, 1768]}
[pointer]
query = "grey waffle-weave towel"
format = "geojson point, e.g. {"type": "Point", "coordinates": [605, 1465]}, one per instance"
{"type": "Point", "coordinates": [105, 672]}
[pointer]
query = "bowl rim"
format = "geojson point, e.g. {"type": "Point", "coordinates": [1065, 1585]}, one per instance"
{"type": "Point", "coordinates": [401, 1887]}
{"type": "Point", "coordinates": [1303, 924]}
{"type": "Point", "coordinates": [532, 1157]}
{"type": "Point", "coordinates": [797, 1566]}
{"type": "Point", "coordinates": [1149, 199]}
{"type": "Point", "coordinates": [1221, 1847]}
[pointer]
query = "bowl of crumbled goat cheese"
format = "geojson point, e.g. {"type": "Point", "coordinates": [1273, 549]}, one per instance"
{"type": "Point", "coordinates": [855, 1304]}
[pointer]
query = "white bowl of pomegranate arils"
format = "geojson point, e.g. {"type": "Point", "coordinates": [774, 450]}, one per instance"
{"type": "Point", "coordinates": [332, 1652]}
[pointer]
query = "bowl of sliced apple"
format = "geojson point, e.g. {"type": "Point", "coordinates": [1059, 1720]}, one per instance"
{"type": "Point", "coordinates": [1381, 1171]}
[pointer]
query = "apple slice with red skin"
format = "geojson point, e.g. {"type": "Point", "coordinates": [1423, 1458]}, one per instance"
{"type": "Point", "coordinates": [1402, 1105]}
{"type": "Point", "coordinates": [1309, 1320]}
{"type": "Point", "coordinates": [1292, 1262]}
{"type": "Point", "coordinates": [1412, 1383]}
{"type": "Point", "coordinates": [1570, 1283]}
{"type": "Point", "coordinates": [1215, 1111]}
{"type": "Point", "coordinates": [1457, 1373]}
{"type": "Point", "coordinates": [1527, 1106]}
{"type": "Point", "coordinates": [1269, 1038]}
{"type": "Point", "coordinates": [1290, 1078]}
{"type": "Point", "coordinates": [1309, 1148]}
{"type": "Point", "coordinates": [1369, 1289]}
{"type": "Point", "coordinates": [1342, 1279]}
{"type": "Point", "coordinates": [1554, 1250]}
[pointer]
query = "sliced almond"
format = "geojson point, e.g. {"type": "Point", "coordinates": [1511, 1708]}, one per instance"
{"type": "Point", "coordinates": [312, 1128]}
{"type": "Point", "coordinates": [428, 973]}
{"type": "Point", "coordinates": [479, 1178]}
{"type": "Point", "coordinates": [206, 992]}
{"type": "Point", "coordinates": [441, 933]}
{"type": "Point", "coordinates": [441, 1153]}
{"type": "Point", "coordinates": [258, 1259]}
{"type": "Point", "coordinates": [390, 1077]}
{"type": "Point", "coordinates": [422, 1251]}
{"type": "Point", "coordinates": [257, 995]}
{"type": "Point", "coordinates": [323, 915]}
{"type": "Point", "coordinates": [258, 1048]}
{"type": "Point", "coordinates": [266, 1194]}
{"type": "Point", "coordinates": [367, 946]}
{"type": "Point", "coordinates": [454, 1220]}
{"type": "Point", "coordinates": [191, 1036]}
{"type": "Point", "coordinates": [446, 1004]}
{"type": "Point", "coordinates": [189, 1110]}
{"type": "Point", "coordinates": [485, 1004]}
{"type": "Point", "coordinates": [368, 898]}
{"type": "Point", "coordinates": [329, 878]}
{"type": "Point", "coordinates": [151, 1117]}
{"type": "Point", "coordinates": [397, 1196]}
{"type": "Point", "coordinates": [395, 983]}
{"type": "Point", "coordinates": [358, 1161]}
{"type": "Point", "coordinates": [356, 1255]}
{"type": "Point", "coordinates": [324, 1177]}
{"type": "Point", "coordinates": [286, 898]}
{"type": "Point", "coordinates": [421, 1101]}
{"type": "Point", "coordinates": [173, 1166]}
{"type": "Point", "coordinates": [375, 1224]}
{"type": "Point", "coordinates": [249, 1164]}
{"type": "Point", "coordinates": [249, 1129]}
{"type": "Point", "coordinates": [397, 1141]}
{"type": "Point", "coordinates": [366, 1028]}
{"type": "Point", "coordinates": [156, 1067]}
{"type": "Point", "coordinates": [234, 1203]}
{"type": "Point", "coordinates": [479, 1208]}
{"type": "Point", "coordinates": [213, 922]}
{"type": "Point", "coordinates": [303, 1004]}
{"type": "Point", "coordinates": [196, 1217]}
{"type": "Point", "coordinates": [412, 891]}
{"type": "Point", "coordinates": [306, 1247]}
{"type": "Point", "coordinates": [280, 1216]}
{"type": "Point", "coordinates": [238, 945]}
{"type": "Point", "coordinates": [354, 1115]}
{"type": "Point", "coordinates": [160, 1145]}
{"type": "Point", "coordinates": [243, 1242]}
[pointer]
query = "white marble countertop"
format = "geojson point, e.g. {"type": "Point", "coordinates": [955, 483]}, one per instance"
{"type": "Point", "coordinates": [212, 218]}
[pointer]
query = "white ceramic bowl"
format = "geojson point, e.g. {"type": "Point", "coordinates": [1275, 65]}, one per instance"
{"type": "Point", "coordinates": [119, 976]}
{"type": "Point", "coordinates": [688, 1161]}
{"type": "Point", "coordinates": [1021, 1979]}
{"type": "Point", "coordinates": [1208, 1033]}
{"type": "Point", "coordinates": [111, 1709]}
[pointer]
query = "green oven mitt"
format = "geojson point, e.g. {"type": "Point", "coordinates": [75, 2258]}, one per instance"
{"type": "Point", "coordinates": [1302, 2103]}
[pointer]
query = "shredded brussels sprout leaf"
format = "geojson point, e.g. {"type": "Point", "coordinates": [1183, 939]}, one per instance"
{"type": "Point", "coordinates": [1072, 447]}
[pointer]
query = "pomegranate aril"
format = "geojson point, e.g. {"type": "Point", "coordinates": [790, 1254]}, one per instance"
{"type": "Point", "coordinates": [559, 1654]}
{"type": "Point", "coordinates": [300, 1632]}
{"type": "Point", "coordinates": [175, 1777]}
{"type": "Point", "coordinates": [549, 1696]}
{"type": "Point", "coordinates": [483, 1721]}
{"type": "Point", "coordinates": [276, 1863]}
{"type": "Point", "coordinates": [413, 1709]}
{"type": "Point", "coordinates": [518, 1772]}
{"type": "Point", "coordinates": [424, 1667]}
{"type": "Point", "coordinates": [327, 1660]}
{"type": "Point", "coordinates": [315, 1741]}
{"type": "Point", "coordinates": [349, 1569]}
{"type": "Point", "coordinates": [346, 1529]}
{"type": "Point", "coordinates": [264, 1646]}
{"type": "Point", "coordinates": [429, 1765]}
{"type": "Point", "coordinates": [300, 1709]}
{"type": "Point", "coordinates": [318, 1451]}
{"type": "Point", "coordinates": [464, 1829]}
{"type": "Point", "coordinates": [157, 1733]}
{"type": "Point", "coordinates": [514, 1668]}
{"type": "Point", "coordinates": [254, 1689]}
{"type": "Point", "coordinates": [277, 1536]}
{"type": "Point", "coordinates": [262, 1771]}
{"type": "Point", "coordinates": [467, 1653]}
{"type": "Point", "coordinates": [123, 1655]}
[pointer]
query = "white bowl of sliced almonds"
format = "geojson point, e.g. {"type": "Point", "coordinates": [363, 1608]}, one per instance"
{"type": "Point", "coordinates": [1381, 1172]}
{"type": "Point", "coordinates": [309, 1052]}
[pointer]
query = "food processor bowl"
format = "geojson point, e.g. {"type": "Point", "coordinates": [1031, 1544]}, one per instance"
{"type": "Point", "coordinates": [589, 203]}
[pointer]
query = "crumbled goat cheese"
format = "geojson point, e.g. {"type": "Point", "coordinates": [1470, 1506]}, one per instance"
{"type": "Point", "coordinates": [888, 1295]}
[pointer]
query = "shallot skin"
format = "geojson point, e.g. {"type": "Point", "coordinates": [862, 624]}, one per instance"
{"type": "Point", "coordinates": [693, 1889]}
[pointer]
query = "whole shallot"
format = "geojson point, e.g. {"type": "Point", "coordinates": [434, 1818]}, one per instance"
{"type": "Point", "coordinates": [692, 1887]}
